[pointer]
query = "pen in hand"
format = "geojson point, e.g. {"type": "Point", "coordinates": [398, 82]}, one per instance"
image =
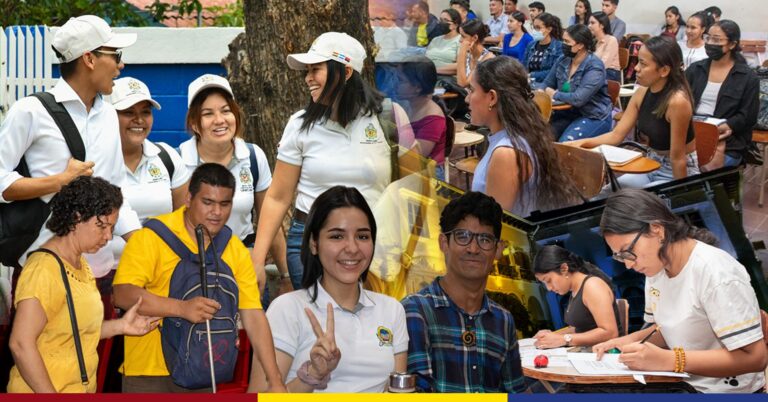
{"type": "Point", "coordinates": [650, 334]}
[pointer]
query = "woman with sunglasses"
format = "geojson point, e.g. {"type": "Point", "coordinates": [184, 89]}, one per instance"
{"type": "Point", "coordinates": [698, 299]}
{"type": "Point", "coordinates": [592, 315]}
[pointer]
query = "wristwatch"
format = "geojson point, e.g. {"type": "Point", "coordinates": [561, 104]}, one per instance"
{"type": "Point", "coordinates": [568, 338]}
{"type": "Point", "coordinates": [285, 275]}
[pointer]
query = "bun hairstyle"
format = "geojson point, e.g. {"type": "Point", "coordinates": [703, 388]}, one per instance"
{"type": "Point", "coordinates": [634, 210]}
{"type": "Point", "coordinates": [550, 258]}
{"type": "Point", "coordinates": [476, 27]}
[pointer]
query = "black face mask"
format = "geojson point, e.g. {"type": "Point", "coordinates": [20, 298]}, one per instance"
{"type": "Point", "coordinates": [714, 52]}
{"type": "Point", "coordinates": [568, 51]}
{"type": "Point", "coordinates": [443, 28]}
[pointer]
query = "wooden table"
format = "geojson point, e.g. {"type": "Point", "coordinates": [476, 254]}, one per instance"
{"type": "Point", "coordinates": [467, 140]}
{"type": "Point", "coordinates": [639, 165]}
{"type": "Point", "coordinates": [571, 376]}
{"type": "Point", "coordinates": [561, 106]}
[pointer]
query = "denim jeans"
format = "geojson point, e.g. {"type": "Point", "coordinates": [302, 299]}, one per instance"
{"type": "Point", "coordinates": [293, 252]}
{"type": "Point", "coordinates": [661, 175]}
{"type": "Point", "coordinates": [569, 125]}
{"type": "Point", "coordinates": [732, 159]}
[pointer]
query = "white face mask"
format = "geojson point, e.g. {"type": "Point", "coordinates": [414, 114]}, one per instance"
{"type": "Point", "coordinates": [537, 35]}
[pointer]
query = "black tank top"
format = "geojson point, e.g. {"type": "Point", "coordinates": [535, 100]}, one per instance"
{"type": "Point", "coordinates": [577, 315]}
{"type": "Point", "coordinates": [657, 129]}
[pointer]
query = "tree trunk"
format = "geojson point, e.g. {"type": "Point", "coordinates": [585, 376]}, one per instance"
{"type": "Point", "coordinates": [267, 90]}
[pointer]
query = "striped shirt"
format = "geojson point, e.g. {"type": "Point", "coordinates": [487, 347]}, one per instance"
{"type": "Point", "coordinates": [439, 350]}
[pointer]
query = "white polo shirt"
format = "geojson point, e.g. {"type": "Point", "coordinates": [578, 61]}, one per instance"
{"type": "Point", "coordinates": [709, 305]}
{"type": "Point", "coordinates": [330, 155]}
{"type": "Point", "coordinates": [368, 337]}
{"type": "Point", "coordinates": [148, 189]}
{"type": "Point", "coordinates": [241, 219]}
{"type": "Point", "coordinates": [29, 131]}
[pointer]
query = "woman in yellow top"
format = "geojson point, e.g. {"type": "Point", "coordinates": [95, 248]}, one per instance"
{"type": "Point", "coordinates": [83, 215]}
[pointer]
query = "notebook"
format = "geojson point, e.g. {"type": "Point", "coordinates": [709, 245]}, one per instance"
{"type": "Point", "coordinates": [617, 156]}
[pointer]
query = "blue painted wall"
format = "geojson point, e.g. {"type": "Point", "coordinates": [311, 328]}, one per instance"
{"type": "Point", "coordinates": [168, 84]}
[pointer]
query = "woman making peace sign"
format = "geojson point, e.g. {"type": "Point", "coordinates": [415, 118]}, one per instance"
{"type": "Point", "coordinates": [336, 252]}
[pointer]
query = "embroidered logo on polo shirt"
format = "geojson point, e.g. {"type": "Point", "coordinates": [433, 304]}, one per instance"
{"type": "Point", "coordinates": [155, 173]}
{"type": "Point", "coordinates": [385, 336]}
{"type": "Point", "coordinates": [655, 294]}
{"type": "Point", "coordinates": [371, 134]}
{"type": "Point", "coordinates": [246, 180]}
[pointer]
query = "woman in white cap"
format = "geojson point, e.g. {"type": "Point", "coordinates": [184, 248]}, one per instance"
{"type": "Point", "coordinates": [335, 140]}
{"type": "Point", "coordinates": [216, 122]}
{"type": "Point", "coordinates": [156, 178]}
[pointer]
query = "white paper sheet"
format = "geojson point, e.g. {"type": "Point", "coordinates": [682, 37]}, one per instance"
{"type": "Point", "coordinates": [558, 357]}
{"type": "Point", "coordinates": [587, 364]}
{"type": "Point", "coordinates": [616, 155]}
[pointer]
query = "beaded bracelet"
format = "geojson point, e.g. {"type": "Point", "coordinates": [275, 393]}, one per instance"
{"type": "Point", "coordinates": [679, 360]}
{"type": "Point", "coordinates": [303, 374]}
{"type": "Point", "coordinates": [682, 360]}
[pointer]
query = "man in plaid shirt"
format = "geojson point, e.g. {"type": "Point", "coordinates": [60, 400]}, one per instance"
{"type": "Point", "coordinates": [460, 340]}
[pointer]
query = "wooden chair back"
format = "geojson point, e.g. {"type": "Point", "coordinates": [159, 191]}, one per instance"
{"type": "Point", "coordinates": [707, 138]}
{"type": "Point", "coordinates": [623, 58]}
{"type": "Point", "coordinates": [623, 307]}
{"type": "Point", "coordinates": [584, 167]}
{"type": "Point", "coordinates": [544, 102]}
{"type": "Point", "coordinates": [614, 87]}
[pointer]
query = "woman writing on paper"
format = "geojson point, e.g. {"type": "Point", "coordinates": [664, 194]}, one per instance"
{"type": "Point", "coordinates": [591, 315]}
{"type": "Point", "coordinates": [698, 294]}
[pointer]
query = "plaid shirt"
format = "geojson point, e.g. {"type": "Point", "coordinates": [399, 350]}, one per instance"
{"type": "Point", "coordinates": [446, 364]}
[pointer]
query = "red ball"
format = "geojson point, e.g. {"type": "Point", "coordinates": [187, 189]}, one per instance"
{"type": "Point", "coordinates": [540, 361]}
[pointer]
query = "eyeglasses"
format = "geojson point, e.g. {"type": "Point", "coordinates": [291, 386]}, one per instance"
{"type": "Point", "coordinates": [715, 40]}
{"type": "Point", "coordinates": [628, 254]}
{"type": "Point", "coordinates": [117, 55]}
{"type": "Point", "coordinates": [463, 237]}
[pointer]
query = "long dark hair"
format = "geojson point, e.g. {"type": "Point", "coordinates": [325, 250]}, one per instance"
{"type": "Point", "coordinates": [551, 21]}
{"type": "Point", "coordinates": [602, 19]}
{"type": "Point", "coordinates": [676, 12]}
{"type": "Point", "coordinates": [705, 20]}
{"type": "Point", "coordinates": [455, 17]}
{"type": "Point", "coordinates": [666, 52]}
{"type": "Point", "coordinates": [634, 210]}
{"type": "Point", "coordinates": [475, 27]}
{"type": "Point", "coordinates": [550, 258]}
{"type": "Point", "coordinates": [348, 98]}
{"type": "Point", "coordinates": [733, 32]}
{"type": "Point", "coordinates": [587, 12]}
{"type": "Point", "coordinates": [520, 17]}
{"type": "Point", "coordinates": [334, 198]}
{"type": "Point", "coordinates": [581, 34]}
{"type": "Point", "coordinates": [522, 121]}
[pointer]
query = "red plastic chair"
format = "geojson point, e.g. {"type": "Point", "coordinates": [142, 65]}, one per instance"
{"type": "Point", "coordinates": [239, 383]}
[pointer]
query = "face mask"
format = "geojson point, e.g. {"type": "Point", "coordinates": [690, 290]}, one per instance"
{"type": "Point", "coordinates": [444, 27]}
{"type": "Point", "coordinates": [568, 52]}
{"type": "Point", "coordinates": [537, 35]}
{"type": "Point", "coordinates": [714, 52]}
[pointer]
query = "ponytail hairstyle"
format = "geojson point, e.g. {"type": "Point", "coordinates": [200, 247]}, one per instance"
{"type": "Point", "coordinates": [676, 12]}
{"type": "Point", "coordinates": [476, 27]}
{"type": "Point", "coordinates": [550, 258]}
{"type": "Point", "coordinates": [733, 32]}
{"type": "Point", "coordinates": [582, 35]}
{"type": "Point", "coordinates": [634, 210]}
{"type": "Point", "coordinates": [666, 53]}
{"type": "Point", "coordinates": [603, 20]}
{"type": "Point", "coordinates": [552, 22]}
{"type": "Point", "coordinates": [520, 17]}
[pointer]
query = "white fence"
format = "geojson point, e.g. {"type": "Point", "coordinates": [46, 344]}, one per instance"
{"type": "Point", "coordinates": [25, 63]}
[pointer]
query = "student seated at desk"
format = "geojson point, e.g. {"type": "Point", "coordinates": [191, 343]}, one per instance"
{"type": "Point", "coordinates": [546, 47]}
{"type": "Point", "coordinates": [578, 79]}
{"type": "Point", "coordinates": [662, 110]}
{"type": "Point", "coordinates": [592, 315]}
{"type": "Point", "coordinates": [698, 299]}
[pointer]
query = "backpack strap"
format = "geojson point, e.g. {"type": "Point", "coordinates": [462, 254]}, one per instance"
{"type": "Point", "coordinates": [64, 122]}
{"type": "Point", "coordinates": [169, 238]}
{"type": "Point", "coordinates": [388, 123]}
{"type": "Point", "coordinates": [254, 164]}
{"type": "Point", "coordinates": [165, 157]}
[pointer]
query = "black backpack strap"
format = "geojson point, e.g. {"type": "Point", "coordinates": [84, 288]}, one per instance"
{"type": "Point", "coordinates": [165, 157]}
{"type": "Point", "coordinates": [64, 122]}
{"type": "Point", "coordinates": [254, 164]}
{"type": "Point", "coordinates": [72, 316]}
{"type": "Point", "coordinates": [169, 238]}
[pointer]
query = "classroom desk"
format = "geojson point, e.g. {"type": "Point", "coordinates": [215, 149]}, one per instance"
{"type": "Point", "coordinates": [639, 165]}
{"type": "Point", "coordinates": [467, 140]}
{"type": "Point", "coordinates": [573, 379]}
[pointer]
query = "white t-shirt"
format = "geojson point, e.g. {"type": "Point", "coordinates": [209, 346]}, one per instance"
{"type": "Point", "coordinates": [709, 305]}
{"type": "Point", "coordinates": [368, 337]}
{"type": "Point", "coordinates": [708, 100]}
{"type": "Point", "coordinates": [240, 221]}
{"type": "Point", "coordinates": [330, 155]}
{"type": "Point", "coordinates": [148, 189]}
{"type": "Point", "coordinates": [691, 55]}
{"type": "Point", "coordinates": [29, 131]}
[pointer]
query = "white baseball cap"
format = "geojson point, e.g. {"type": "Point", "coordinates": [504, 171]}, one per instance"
{"type": "Point", "coordinates": [331, 46]}
{"type": "Point", "coordinates": [129, 91]}
{"type": "Point", "coordinates": [86, 33]}
{"type": "Point", "coordinates": [206, 81]}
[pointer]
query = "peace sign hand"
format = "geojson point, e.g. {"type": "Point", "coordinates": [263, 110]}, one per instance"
{"type": "Point", "coordinates": [324, 355]}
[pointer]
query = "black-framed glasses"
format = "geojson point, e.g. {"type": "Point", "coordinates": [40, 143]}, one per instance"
{"type": "Point", "coordinates": [628, 254]}
{"type": "Point", "coordinates": [463, 237]}
{"type": "Point", "coordinates": [117, 55]}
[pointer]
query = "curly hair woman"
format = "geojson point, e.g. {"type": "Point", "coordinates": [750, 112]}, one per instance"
{"type": "Point", "coordinates": [83, 215]}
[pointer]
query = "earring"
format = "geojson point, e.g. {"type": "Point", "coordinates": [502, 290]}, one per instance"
{"type": "Point", "coordinates": [490, 107]}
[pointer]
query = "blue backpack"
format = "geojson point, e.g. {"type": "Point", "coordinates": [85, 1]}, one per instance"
{"type": "Point", "coordinates": [185, 345]}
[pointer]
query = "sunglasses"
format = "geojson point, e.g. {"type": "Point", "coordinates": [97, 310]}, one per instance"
{"type": "Point", "coordinates": [463, 237]}
{"type": "Point", "coordinates": [117, 55]}
{"type": "Point", "coordinates": [628, 254]}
